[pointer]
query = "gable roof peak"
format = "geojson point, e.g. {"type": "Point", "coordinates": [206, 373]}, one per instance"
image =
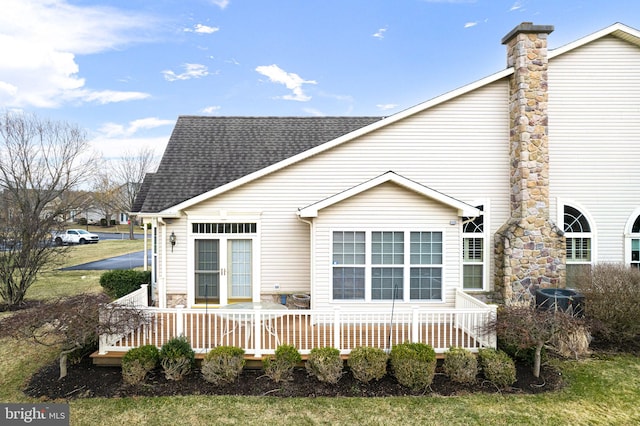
{"type": "Point", "coordinates": [463, 208]}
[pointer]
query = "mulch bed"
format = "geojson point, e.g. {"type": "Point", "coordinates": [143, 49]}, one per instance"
{"type": "Point", "coordinates": [84, 380]}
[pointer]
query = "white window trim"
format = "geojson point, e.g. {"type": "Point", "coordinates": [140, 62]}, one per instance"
{"type": "Point", "coordinates": [628, 236]}
{"type": "Point", "coordinates": [255, 247]}
{"type": "Point", "coordinates": [593, 234]}
{"type": "Point", "coordinates": [368, 265]}
{"type": "Point", "coordinates": [486, 241]}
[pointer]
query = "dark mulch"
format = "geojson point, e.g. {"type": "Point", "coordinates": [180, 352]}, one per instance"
{"type": "Point", "coordinates": [85, 380]}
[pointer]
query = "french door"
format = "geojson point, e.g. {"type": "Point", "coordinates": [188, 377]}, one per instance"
{"type": "Point", "coordinates": [223, 270]}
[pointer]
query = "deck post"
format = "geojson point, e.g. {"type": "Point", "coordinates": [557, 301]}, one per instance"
{"type": "Point", "coordinates": [336, 328]}
{"type": "Point", "coordinates": [415, 324]}
{"type": "Point", "coordinates": [179, 320]}
{"type": "Point", "coordinates": [145, 288]}
{"type": "Point", "coordinates": [257, 330]}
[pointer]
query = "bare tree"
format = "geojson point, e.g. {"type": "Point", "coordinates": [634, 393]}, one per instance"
{"type": "Point", "coordinates": [41, 162]}
{"type": "Point", "coordinates": [129, 173]}
{"type": "Point", "coordinates": [525, 327]}
{"type": "Point", "coordinates": [104, 194]}
{"type": "Point", "coordinates": [72, 324]}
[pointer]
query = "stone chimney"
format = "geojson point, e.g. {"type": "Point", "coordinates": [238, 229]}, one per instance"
{"type": "Point", "coordinates": [530, 248]}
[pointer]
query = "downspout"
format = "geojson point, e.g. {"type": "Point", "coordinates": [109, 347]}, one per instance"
{"type": "Point", "coordinates": [162, 294]}
{"type": "Point", "coordinates": [312, 257]}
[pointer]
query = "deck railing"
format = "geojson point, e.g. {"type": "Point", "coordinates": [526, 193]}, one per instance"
{"type": "Point", "coordinates": [139, 298]}
{"type": "Point", "coordinates": [261, 331]}
{"type": "Point", "coordinates": [136, 300]}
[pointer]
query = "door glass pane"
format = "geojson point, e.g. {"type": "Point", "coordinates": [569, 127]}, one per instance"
{"type": "Point", "coordinates": [240, 268]}
{"type": "Point", "coordinates": [207, 269]}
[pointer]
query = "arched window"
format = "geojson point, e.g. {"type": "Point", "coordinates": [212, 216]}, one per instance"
{"type": "Point", "coordinates": [579, 244]}
{"type": "Point", "coordinates": [473, 248]}
{"type": "Point", "coordinates": [632, 251]}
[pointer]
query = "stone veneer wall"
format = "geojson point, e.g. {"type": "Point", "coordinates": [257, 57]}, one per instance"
{"type": "Point", "coordinates": [530, 248]}
{"type": "Point", "coordinates": [174, 300]}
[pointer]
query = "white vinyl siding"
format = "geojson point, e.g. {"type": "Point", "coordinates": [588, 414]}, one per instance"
{"type": "Point", "coordinates": [436, 148]}
{"type": "Point", "coordinates": [460, 148]}
{"type": "Point", "coordinates": [388, 208]}
{"type": "Point", "coordinates": [594, 139]}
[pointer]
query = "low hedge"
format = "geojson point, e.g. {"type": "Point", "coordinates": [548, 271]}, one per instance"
{"type": "Point", "coordinates": [497, 367]}
{"type": "Point", "coordinates": [122, 282]}
{"type": "Point", "coordinates": [413, 364]}
{"type": "Point", "coordinates": [367, 363]}
{"type": "Point", "coordinates": [223, 364]}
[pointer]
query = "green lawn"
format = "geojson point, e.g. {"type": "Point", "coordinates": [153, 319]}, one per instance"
{"type": "Point", "coordinates": [600, 391]}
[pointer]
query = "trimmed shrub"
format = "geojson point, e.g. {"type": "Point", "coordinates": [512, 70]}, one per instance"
{"type": "Point", "coordinates": [177, 358]}
{"type": "Point", "coordinates": [137, 362]}
{"type": "Point", "coordinates": [612, 297]}
{"type": "Point", "coordinates": [413, 364]}
{"type": "Point", "coordinates": [119, 283]}
{"type": "Point", "coordinates": [367, 363]}
{"type": "Point", "coordinates": [460, 365]}
{"type": "Point", "coordinates": [280, 367]}
{"type": "Point", "coordinates": [223, 364]}
{"type": "Point", "coordinates": [325, 364]}
{"type": "Point", "coordinates": [497, 367]}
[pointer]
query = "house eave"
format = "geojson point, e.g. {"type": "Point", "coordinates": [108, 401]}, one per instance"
{"type": "Point", "coordinates": [618, 30]}
{"type": "Point", "coordinates": [160, 215]}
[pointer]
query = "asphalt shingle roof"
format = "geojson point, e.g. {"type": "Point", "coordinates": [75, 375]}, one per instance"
{"type": "Point", "coordinates": [205, 153]}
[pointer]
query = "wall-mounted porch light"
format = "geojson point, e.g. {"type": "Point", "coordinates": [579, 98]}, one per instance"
{"type": "Point", "coordinates": [172, 240]}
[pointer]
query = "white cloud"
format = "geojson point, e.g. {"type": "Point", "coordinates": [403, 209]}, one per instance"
{"type": "Point", "coordinates": [291, 81]}
{"type": "Point", "coordinates": [220, 3]}
{"type": "Point", "coordinates": [386, 107]}
{"type": "Point", "coordinates": [314, 112]}
{"type": "Point", "coordinates": [114, 147]}
{"type": "Point", "coordinates": [202, 29]}
{"type": "Point", "coordinates": [39, 41]}
{"type": "Point", "coordinates": [470, 24]}
{"type": "Point", "coordinates": [111, 130]}
{"type": "Point", "coordinates": [105, 96]}
{"type": "Point", "coordinates": [516, 6]}
{"type": "Point", "coordinates": [211, 109]}
{"type": "Point", "coordinates": [113, 139]}
{"type": "Point", "coordinates": [380, 33]}
{"type": "Point", "coordinates": [191, 71]}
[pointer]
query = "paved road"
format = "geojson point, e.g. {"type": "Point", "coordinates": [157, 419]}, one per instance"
{"type": "Point", "coordinates": [127, 261]}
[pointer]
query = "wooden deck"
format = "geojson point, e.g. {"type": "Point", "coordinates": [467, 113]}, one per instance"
{"type": "Point", "coordinates": [260, 333]}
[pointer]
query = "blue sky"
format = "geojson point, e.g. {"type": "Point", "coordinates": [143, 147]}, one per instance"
{"type": "Point", "coordinates": [124, 70]}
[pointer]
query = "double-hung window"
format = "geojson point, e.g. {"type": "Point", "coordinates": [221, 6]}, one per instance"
{"type": "Point", "coordinates": [349, 270]}
{"type": "Point", "coordinates": [473, 243]}
{"type": "Point", "coordinates": [387, 265]}
{"type": "Point", "coordinates": [578, 240]}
